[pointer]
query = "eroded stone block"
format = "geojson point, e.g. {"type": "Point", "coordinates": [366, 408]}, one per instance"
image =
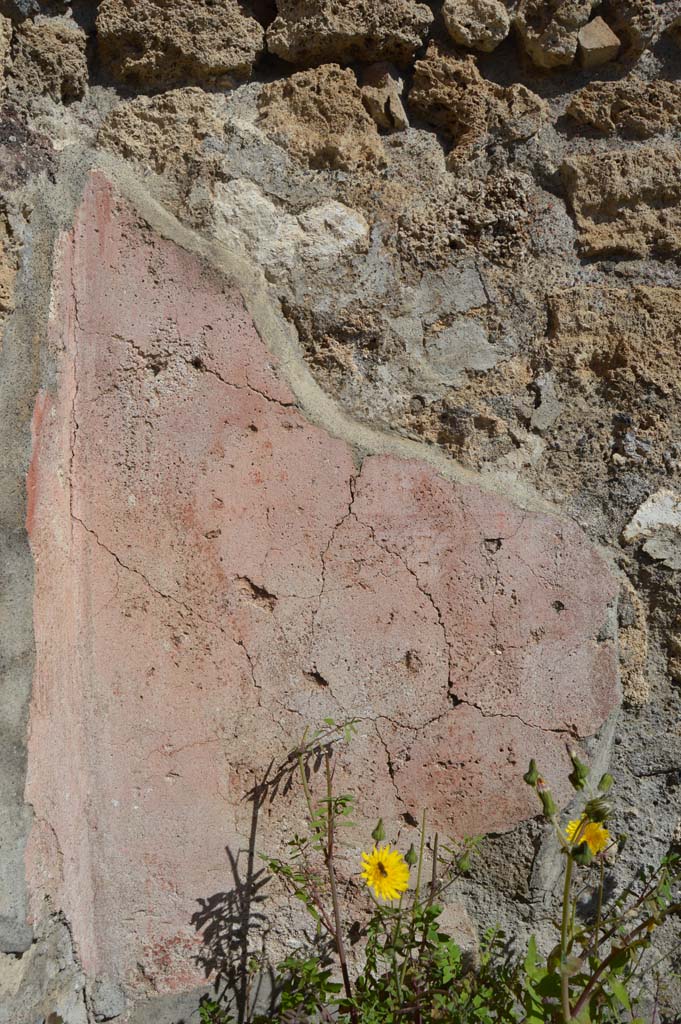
{"type": "Point", "coordinates": [626, 201]}
{"type": "Point", "coordinates": [205, 42]}
{"type": "Point", "coordinates": [317, 31]}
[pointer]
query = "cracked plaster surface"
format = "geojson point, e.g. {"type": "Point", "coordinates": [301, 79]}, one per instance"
{"type": "Point", "coordinates": [214, 572]}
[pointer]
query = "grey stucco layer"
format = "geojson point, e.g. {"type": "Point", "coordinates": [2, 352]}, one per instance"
{"type": "Point", "coordinates": [22, 371]}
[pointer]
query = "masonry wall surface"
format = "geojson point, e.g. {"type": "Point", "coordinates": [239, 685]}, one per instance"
{"type": "Point", "coordinates": [331, 387]}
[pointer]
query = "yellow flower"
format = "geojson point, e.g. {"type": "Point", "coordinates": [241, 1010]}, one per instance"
{"type": "Point", "coordinates": [386, 872]}
{"type": "Point", "coordinates": [592, 833]}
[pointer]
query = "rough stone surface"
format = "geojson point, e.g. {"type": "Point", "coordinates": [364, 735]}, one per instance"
{"type": "Point", "coordinates": [45, 984]}
{"type": "Point", "coordinates": [627, 201]}
{"type": "Point", "coordinates": [382, 90]}
{"type": "Point", "coordinates": [624, 337]}
{"type": "Point", "coordinates": [5, 40]}
{"type": "Point", "coordinates": [634, 640]}
{"type": "Point", "coordinates": [161, 44]}
{"type": "Point", "coordinates": [139, 130]}
{"type": "Point", "coordinates": [319, 31]}
{"type": "Point", "coordinates": [292, 584]}
{"type": "Point", "coordinates": [8, 270]}
{"type": "Point", "coordinates": [281, 242]}
{"type": "Point", "coordinates": [319, 116]}
{"type": "Point", "coordinates": [48, 56]}
{"type": "Point", "coordinates": [638, 22]}
{"type": "Point", "coordinates": [658, 523]}
{"type": "Point", "coordinates": [549, 31]}
{"type": "Point", "coordinates": [451, 93]}
{"type": "Point", "coordinates": [631, 108]}
{"type": "Point", "coordinates": [598, 44]}
{"type": "Point", "coordinates": [477, 24]}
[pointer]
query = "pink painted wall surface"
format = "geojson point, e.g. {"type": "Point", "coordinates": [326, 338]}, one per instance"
{"type": "Point", "coordinates": [213, 573]}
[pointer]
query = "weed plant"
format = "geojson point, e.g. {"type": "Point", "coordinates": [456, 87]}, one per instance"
{"type": "Point", "coordinates": [412, 970]}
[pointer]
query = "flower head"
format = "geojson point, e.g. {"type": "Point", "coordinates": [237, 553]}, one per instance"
{"type": "Point", "coordinates": [581, 830]}
{"type": "Point", "coordinates": [386, 872]}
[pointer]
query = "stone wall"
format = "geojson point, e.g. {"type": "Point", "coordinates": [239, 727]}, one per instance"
{"type": "Point", "coordinates": [340, 377]}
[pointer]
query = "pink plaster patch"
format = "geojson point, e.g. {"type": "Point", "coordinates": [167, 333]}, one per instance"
{"type": "Point", "coordinates": [212, 573]}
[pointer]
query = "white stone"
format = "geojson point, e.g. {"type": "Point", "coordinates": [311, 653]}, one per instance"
{"type": "Point", "coordinates": [248, 220]}
{"type": "Point", "coordinates": [658, 522]}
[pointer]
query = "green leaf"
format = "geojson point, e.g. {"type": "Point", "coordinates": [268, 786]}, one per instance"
{"type": "Point", "coordinates": [620, 993]}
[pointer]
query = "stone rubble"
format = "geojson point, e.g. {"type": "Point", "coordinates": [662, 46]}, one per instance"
{"type": "Point", "coordinates": [598, 44]}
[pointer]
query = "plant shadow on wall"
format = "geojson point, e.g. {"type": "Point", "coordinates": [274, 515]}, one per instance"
{"type": "Point", "coordinates": [601, 970]}
{"type": "Point", "coordinates": [232, 922]}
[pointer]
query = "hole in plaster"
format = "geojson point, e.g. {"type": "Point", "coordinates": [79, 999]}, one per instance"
{"type": "Point", "coordinates": [255, 593]}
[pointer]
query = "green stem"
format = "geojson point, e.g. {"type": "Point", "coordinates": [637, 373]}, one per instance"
{"type": "Point", "coordinates": [412, 924]}
{"type": "Point", "coordinates": [564, 976]}
{"type": "Point", "coordinates": [599, 911]}
{"type": "Point", "coordinates": [419, 870]}
{"type": "Point", "coordinates": [306, 790]}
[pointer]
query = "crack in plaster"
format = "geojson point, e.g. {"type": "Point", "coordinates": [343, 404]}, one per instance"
{"type": "Point", "coordinates": [197, 363]}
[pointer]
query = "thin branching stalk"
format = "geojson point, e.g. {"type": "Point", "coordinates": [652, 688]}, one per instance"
{"type": "Point", "coordinates": [630, 941]}
{"type": "Point", "coordinates": [340, 944]}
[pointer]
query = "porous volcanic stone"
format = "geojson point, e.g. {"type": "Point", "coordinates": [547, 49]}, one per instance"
{"type": "Point", "coordinates": [451, 93]}
{"type": "Point", "coordinates": [160, 43]}
{"type": "Point", "coordinates": [213, 572]}
{"type": "Point", "coordinates": [316, 31]}
{"type": "Point", "coordinates": [139, 130]}
{"type": "Point", "coordinates": [382, 90]}
{"type": "Point", "coordinates": [548, 30]}
{"type": "Point", "coordinates": [319, 116]}
{"type": "Point", "coordinates": [5, 40]}
{"type": "Point", "coordinates": [478, 24]}
{"type": "Point", "coordinates": [626, 201]}
{"type": "Point", "coordinates": [632, 107]}
{"type": "Point", "coordinates": [49, 57]}
{"type": "Point", "coordinates": [598, 44]}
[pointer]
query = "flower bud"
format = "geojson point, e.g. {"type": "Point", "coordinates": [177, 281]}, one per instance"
{"type": "Point", "coordinates": [378, 835]}
{"type": "Point", "coordinates": [531, 776]}
{"type": "Point", "coordinates": [606, 783]}
{"type": "Point", "coordinates": [580, 773]}
{"type": "Point", "coordinates": [410, 856]}
{"type": "Point", "coordinates": [582, 855]}
{"type": "Point", "coordinates": [550, 809]}
{"type": "Point", "coordinates": [597, 809]}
